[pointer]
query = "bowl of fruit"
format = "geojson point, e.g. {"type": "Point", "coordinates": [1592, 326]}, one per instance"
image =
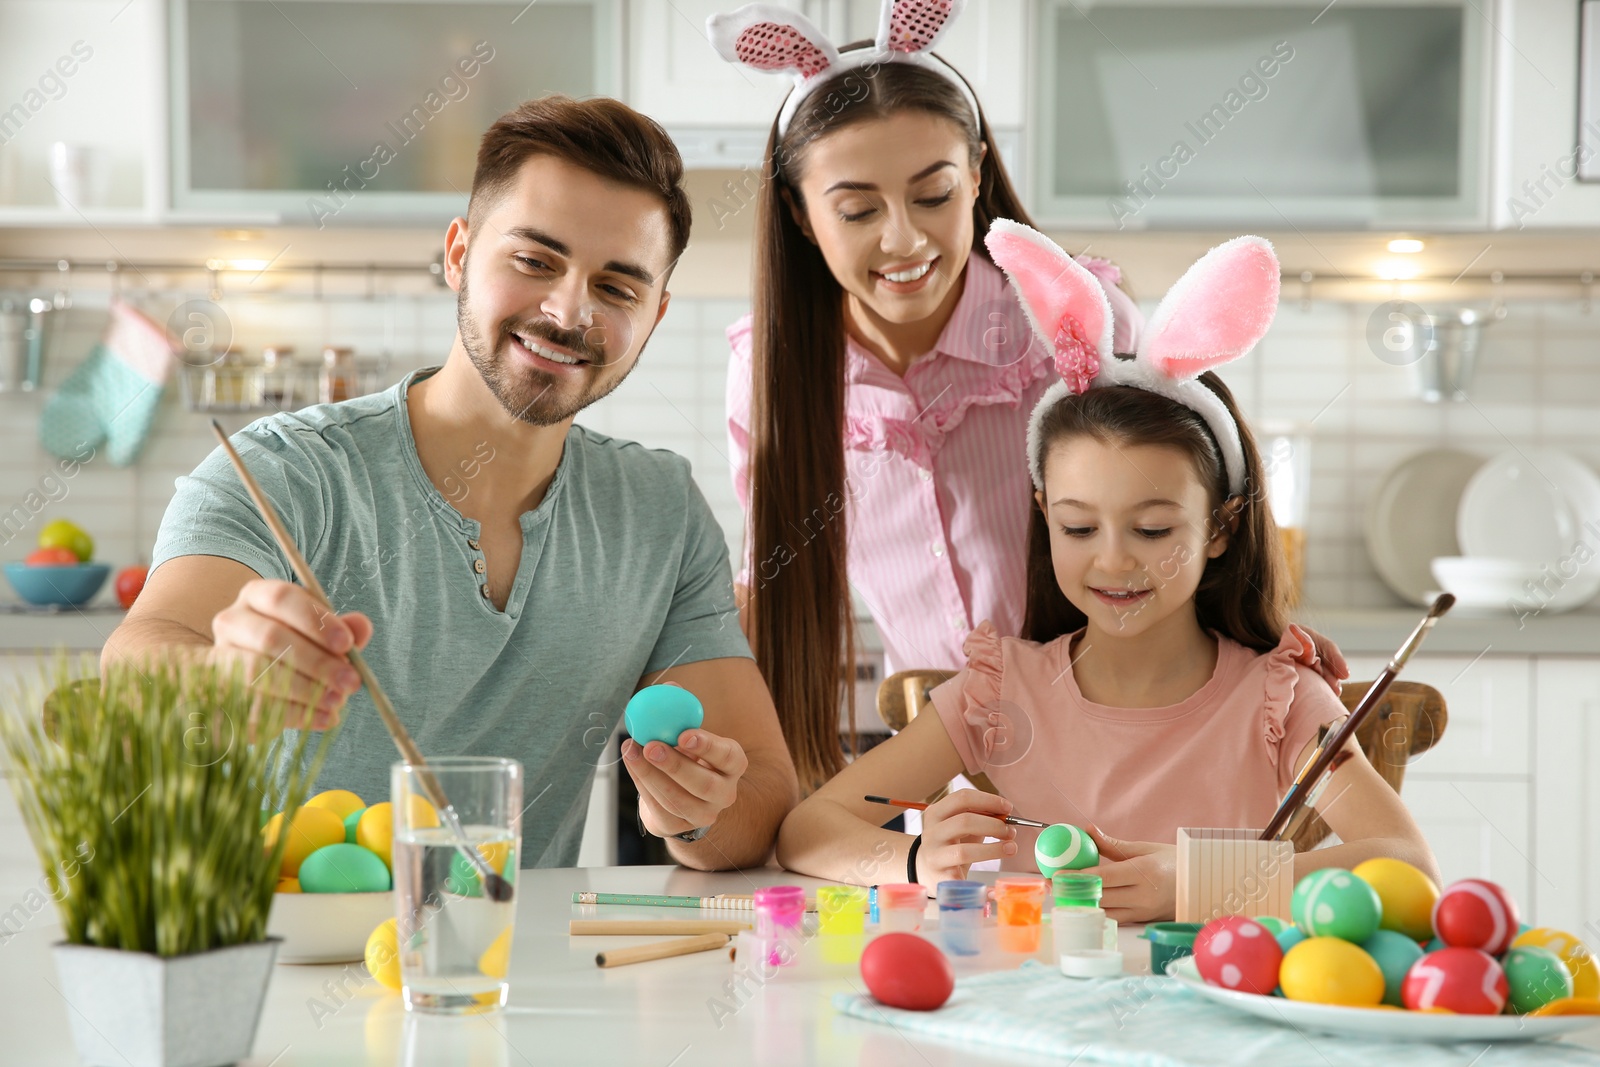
{"type": "Point", "coordinates": [59, 571]}
{"type": "Point", "coordinates": [1381, 952]}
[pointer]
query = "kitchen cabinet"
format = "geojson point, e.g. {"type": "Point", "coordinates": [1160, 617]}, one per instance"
{"type": "Point", "coordinates": [1172, 115]}
{"type": "Point", "coordinates": [1479, 829]}
{"type": "Point", "coordinates": [720, 114]}
{"type": "Point", "coordinates": [1536, 102]}
{"type": "Point", "coordinates": [339, 113]}
{"type": "Point", "coordinates": [1566, 795]}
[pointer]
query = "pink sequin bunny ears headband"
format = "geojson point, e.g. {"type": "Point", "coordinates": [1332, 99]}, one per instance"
{"type": "Point", "coordinates": [1216, 313]}
{"type": "Point", "coordinates": [775, 39]}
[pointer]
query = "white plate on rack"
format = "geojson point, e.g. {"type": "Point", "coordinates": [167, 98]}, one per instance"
{"type": "Point", "coordinates": [1381, 1024]}
{"type": "Point", "coordinates": [1411, 519]}
{"type": "Point", "coordinates": [1531, 504]}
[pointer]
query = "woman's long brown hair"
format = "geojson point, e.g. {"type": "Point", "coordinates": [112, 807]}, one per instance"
{"type": "Point", "coordinates": [799, 615]}
{"type": "Point", "coordinates": [1243, 592]}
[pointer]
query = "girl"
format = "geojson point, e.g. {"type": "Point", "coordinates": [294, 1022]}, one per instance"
{"type": "Point", "coordinates": [883, 383]}
{"type": "Point", "coordinates": [1158, 684]}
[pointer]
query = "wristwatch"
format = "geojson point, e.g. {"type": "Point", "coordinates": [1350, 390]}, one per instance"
{"type": "Point", "coordinates": [690, 836]}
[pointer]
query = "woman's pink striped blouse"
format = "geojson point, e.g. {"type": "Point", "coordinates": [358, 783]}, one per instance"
{"type": "Point", "coordinates": [937, 469]}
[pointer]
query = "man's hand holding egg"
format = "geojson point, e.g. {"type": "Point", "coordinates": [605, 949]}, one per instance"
{"type": "Point", "coordinates": [685, 787]}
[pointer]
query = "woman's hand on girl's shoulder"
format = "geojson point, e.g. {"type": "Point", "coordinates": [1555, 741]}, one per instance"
{"type": "Point", "coordinates": [1139, 879]}
{"type": "Point", "coordinates": [1330, 661]}
{"type": "Point", "coordinates": [954, 831]}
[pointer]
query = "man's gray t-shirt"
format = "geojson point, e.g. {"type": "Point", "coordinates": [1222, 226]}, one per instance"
{"type": "Point", "coordinates": [624, 571]}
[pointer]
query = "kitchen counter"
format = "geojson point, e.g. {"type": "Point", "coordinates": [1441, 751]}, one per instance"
{"type": "Point", "coordinates": [1461, 632]}
{"type": "Point", "coordinates": [25, 630]}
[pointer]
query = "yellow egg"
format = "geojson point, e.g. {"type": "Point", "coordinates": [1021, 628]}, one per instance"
{"type": "Point", "coordinates": [375, 830]}
{"type": "Point", "coordinates": [496, 959]}
{"type": "Point", "coordinates": [382, 955]}
{"type": "Point", "coordinates": [1407, 894]}
{"type": "Point", "coordinates": [311, 829]}
{"type": "Point", "coordinates": [1574, 953]}
{"type": "Point", "coordinates": [339, 801]}
{"type": "Point", "coordinates": [1330, 970]}
{"type": "Point", "coordinates": [495, 853]}
{"type": "Point", "coordinates": [288, 885]}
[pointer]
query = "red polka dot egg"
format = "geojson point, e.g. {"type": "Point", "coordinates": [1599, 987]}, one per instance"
{"type": "Point", "coordinates": [1473, 913]}
{"type": "Point", "coordinates": [1463, 980]}
{"type": "Point", "coordinates": [1236, 952]}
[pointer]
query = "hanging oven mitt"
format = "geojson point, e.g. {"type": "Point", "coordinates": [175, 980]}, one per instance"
{"type": "Point", "coordinates": [113, 395]}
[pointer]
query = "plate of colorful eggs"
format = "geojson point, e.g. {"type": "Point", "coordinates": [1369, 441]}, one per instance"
{"type": "Point", "coordinates": [335, 882]}
{"type": "Point", "coordinates": [1380, 951]}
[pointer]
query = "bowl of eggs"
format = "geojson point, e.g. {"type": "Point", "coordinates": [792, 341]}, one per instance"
{"type": "Point", "coordinates": [1380, 951]}
{"type": "Point", "coordinates": [335, 885]}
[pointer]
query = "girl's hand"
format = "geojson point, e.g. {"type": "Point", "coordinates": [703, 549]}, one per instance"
{"type": "Point", "coordinates": [1330, 661]}
{"type": "Point", "coordinates": [953, 832]}
{"type": "Point", "coordinates": [1139, 879]}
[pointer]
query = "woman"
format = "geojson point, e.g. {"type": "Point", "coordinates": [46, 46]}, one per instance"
{"type": "Point", "coordinates": [882, 384]}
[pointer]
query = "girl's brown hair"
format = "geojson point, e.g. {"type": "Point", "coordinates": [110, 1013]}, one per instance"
{"type": "Point", "coordinates": [1242, 592]}
{"type": "Point", "coordinates": [799, 615]}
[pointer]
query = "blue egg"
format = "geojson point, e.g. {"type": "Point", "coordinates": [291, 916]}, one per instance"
{"type": "Point", "coordinates": [1394, 953]}
{"type": "Point", "coordinates": [661, 713]}
{"type": "Point", "coordinates": [1289, 937]}
{"type": "Point", "coordinates": [1434, 946]}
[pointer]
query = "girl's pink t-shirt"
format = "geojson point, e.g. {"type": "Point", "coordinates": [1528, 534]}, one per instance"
{"type": "Point", "coordinates": [1222, 758]}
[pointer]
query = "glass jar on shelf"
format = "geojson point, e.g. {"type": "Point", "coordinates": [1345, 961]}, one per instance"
{"type": "Point", "coordinates": [278, 376]}
{"type": "Point", "coordinates": [338, 374]}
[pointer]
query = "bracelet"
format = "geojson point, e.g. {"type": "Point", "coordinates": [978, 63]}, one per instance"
{"type": "Point", "coordinates": [911, 860]}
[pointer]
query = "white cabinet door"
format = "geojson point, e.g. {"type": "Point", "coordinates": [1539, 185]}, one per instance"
{"type": "Point", "coordinates": [677, 78]}
{"type": "Point", "coordinates": [1479, 829]}
{"type": "Point", "coordinates": [1566, 795]}
{"type": "Point", "coordinates": [1535, 153]}
{"type": "Point", "coordinates": [1488, 702]}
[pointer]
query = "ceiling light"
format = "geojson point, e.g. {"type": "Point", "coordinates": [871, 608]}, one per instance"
{"type": "Point", "coordinates": [1405, 245]}
{"type": "Point", "coordinates": [237, 264]}
{"type": "Point", "coordinates": [1397, 270]}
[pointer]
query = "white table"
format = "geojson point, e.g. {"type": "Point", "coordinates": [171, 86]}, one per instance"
{"type": "Point", "coordinates": [563, 1009]}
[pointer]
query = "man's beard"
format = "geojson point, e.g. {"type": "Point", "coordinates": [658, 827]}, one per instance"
{"type": "Point", "coordinates": [530, 394]}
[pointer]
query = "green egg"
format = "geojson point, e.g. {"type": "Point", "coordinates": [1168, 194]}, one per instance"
{"type": "Point", "coordinates": [1394, 953]}
{"type": "Point", "coordinates": [463, 877]}
{"type": "Point", "coordinates": [1274, 925]}
{"type": "Point", "coordinates": [350, 825]}
{"type": "Point", "coordinates": [1333, 902]}
{"type": "Point", "coordinates": [1536, 976]}
{"type": "Point", "coordinates": [344, 868]}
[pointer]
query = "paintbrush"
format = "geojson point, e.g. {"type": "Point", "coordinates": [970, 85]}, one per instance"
{"type": "Point", "coordinates": [494, 886]}
{"type": "Point", "coordinates": [1310, 778]}
{"type": "Point", "coordinates": [917, 805]}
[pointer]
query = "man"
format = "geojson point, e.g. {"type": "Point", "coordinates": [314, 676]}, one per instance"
{"type": "Point", "coordinates": [517, 577]}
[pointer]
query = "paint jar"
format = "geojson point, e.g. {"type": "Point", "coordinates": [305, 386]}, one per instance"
{"type": "Point", "coordinates": [841, 922]}
{"type": "Point", "coordinates": [900, 907]}
{"type": "Point", "coordinates": [1168, 942]}
{"type": "Point", "coordinates": [1019, 911]}
{"type": "Point", "coordinates": [779, 911]}
{"type": "Point", "coordinates": [1077, 929]}
{"type": "Point", "coordinates": [1073, 889]}
{"type": "Point", "coordinates": [961, 906]}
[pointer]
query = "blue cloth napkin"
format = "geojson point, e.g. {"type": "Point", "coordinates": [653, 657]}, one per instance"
{"type": "Point", "coordinates": [1155, 1022]}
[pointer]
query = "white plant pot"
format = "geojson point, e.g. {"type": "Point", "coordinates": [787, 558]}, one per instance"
{"type": "Point", "coordinates": [133, 1009]}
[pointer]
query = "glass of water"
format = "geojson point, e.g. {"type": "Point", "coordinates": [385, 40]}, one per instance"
{"type": "Point", "coordinates": [455, 940]}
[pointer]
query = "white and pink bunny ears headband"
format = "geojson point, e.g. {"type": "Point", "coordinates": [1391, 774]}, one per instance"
{"type": "Point", "coordinates": [775, 39]}
{"type": "Point", "coordinates": [1215, 313]}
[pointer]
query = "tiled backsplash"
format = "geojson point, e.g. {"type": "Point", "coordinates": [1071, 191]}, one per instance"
{"type": "Point", "coordinates": [1538, 383]}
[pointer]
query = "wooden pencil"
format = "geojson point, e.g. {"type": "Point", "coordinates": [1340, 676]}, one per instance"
{"type": "Point", "coordinates": [719, 902]}
{"type": "Point", "coordinates": [660, 950]}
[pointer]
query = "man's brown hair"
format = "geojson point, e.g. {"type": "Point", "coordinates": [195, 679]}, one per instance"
{"type": "Point", "coordinates": [601, 135]}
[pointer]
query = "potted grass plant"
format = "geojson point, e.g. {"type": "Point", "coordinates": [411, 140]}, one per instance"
{"type": "Point", "coordinates": [142, 792]}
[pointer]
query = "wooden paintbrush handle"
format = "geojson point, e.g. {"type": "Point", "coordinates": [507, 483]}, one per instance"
{"type": "Point", "coordinates": [661, 950]}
